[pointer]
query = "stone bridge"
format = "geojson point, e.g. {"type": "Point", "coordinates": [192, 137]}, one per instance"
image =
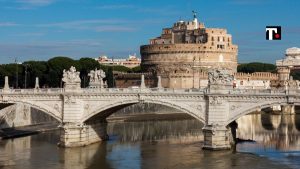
{"type": "Point", "coordinates": [82, 112]}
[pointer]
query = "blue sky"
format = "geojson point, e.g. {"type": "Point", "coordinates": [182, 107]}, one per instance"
{"type": "Point", "coordinates": [41, 29]}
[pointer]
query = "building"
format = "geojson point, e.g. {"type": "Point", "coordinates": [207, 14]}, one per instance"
{"type": "Point", "coordinates": [131, 62]}
{"type": "Point", "coordinates": [187, 49]}
{"type": "Point", "coordinates": [291, 62]}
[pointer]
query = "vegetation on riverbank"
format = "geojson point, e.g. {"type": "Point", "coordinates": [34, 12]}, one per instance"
{"type": "Point", "coordinates": [256, 67]}
{"type": "Point", "coordinates": [50, 72]}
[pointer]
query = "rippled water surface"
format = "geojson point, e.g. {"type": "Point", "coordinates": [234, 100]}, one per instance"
{"type": "Point", "coordinates": [165, 145]}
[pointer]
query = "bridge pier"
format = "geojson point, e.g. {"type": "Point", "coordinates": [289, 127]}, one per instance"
{"type": "Point", "coordinates": [74, 135]}
{"type": "Point", "coordinates": [288, 109]}
{"type": "Point", "coordinates": [216, 137]}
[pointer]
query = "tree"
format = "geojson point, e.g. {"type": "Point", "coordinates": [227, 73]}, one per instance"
{"type": "Point", "coordinates": [56, 66]}
{"type": "Point", "coordinates": [12, 71]}
{"type": "Point", "coordinates": [256, 67]}
{"type": "Point", "coordinates": [87, 64]}
{"type": "Point", "coordinates": [110, 78]}
{"type": "Point", "coordinates": [137, 69]}
{"type": "Point", "coordinates": [50, 72]}
{"type": "Point", "coordinates": [36, 69]}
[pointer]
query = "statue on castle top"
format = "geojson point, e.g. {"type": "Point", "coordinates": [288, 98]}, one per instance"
{"type": "Point", "coordinates": [71, 76]}
{"type": "Point", "coordinates": [194, 14]}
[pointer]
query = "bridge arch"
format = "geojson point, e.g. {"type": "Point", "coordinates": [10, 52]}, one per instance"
{"type": "Point", "coordinates": [39, 106]}
{"type": "Point", "coordinates": [246, 109]}
{"type": "Point", "coordinates": [107, 110]}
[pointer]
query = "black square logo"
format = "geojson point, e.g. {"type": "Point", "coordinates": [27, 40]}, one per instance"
{"type": "Point", "coordinates": [273, 32]}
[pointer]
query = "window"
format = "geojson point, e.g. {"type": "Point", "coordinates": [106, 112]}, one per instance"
{"type": "Point", "coordinates": [220, 46]}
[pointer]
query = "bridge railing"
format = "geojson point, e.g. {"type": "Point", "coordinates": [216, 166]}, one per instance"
{"type": "Point", "coordinates": [258, 91]}
{"type": "Point", "coordinates": [139, 90]}
{"type": "Point", "coordinates": [104, 90]}
{"type": "Point", "coordinates": [152, 90]}
{"type": "Point", "coordinates": [30, 91]}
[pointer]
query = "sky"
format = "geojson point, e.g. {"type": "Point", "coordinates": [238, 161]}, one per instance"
{"type": "Point", "coordinates": [42, 29]}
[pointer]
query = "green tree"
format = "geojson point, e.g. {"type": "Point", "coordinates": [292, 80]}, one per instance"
{"type": "Point", "coordinates": [137, 69]}
{"type": "Point", "coordinates": [56, 66]}
{"type": "Point", "coordinates": [256, 67]}
{"type": "Point", "coordinates": [13, 71]}
{"type": "Point", "coordinates": [110, 78]}
{"type": "Point", "coordinates": [87, 64]}
{"type": "Point", "coordinates": [36, 69]}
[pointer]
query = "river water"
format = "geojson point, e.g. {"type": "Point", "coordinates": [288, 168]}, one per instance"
{"type": "Point", "coordinates": [164, 145]}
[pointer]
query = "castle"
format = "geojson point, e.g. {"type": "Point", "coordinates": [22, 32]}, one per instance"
{"type": "Point", "coordinates": [183, 52]}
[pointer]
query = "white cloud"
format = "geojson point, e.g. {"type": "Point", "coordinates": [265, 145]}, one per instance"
{"type": "Point", "coordinates": [8, 24]}
{"type": "Point", "coordinates": [100, 25]}
{"type": "Point", "coordinates": [30, 34]}
{"type": "Point", "coordinates": [25, 4]}
{"type": "Point", "coordinates": [114, 28]}
{"type": "Point", "coordinates": [36, 2]}
{"type": "Point", "coordinates": [114, 7]}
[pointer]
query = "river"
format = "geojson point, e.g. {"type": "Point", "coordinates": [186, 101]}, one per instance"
{"type": "Point", "coordinates": [163, 144]}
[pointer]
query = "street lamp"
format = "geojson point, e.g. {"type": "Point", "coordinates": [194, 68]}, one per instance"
{"type": "Point", "coordinates": [16, 62]}
{"type": "Point", "coordinates": [25, 85]}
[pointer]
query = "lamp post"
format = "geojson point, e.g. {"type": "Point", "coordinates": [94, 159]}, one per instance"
{"type": "Point", "coordinates": [26, 65]}
{"type": "Point", "coordinates": [16, 62]}
{"type": "Point", "coordinates": [193, 72]}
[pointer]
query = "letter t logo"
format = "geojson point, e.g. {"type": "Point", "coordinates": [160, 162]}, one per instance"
{"type": "Point", "coordinates": [273, 32]}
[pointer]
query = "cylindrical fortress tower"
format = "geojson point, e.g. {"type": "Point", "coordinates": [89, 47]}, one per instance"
{"type": "Point", "coordinates": [182, 53]}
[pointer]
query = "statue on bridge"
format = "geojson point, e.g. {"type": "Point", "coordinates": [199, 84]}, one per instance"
{"type": "Point", "coordinates": [220, 79]}
{"type": "Point", "coordinates": [96, 78]}
{"type": "Point", "coordinates": [71, 76]}
{"type": "Point", "coordinates": [71, 79]}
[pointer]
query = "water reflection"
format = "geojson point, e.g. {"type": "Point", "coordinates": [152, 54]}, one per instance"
{"type": "Point", "coordinates": [160, 144]}
{"type": "Point", "coordinates": [274, 131]}
{"type": "Point", "coordinates": [178, 131]}
{"type": "Point", "coordinates": [277, 137]}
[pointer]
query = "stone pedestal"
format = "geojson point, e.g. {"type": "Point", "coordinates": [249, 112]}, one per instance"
{"type": "Point", "coordinates": [72, 87]}
{"type": "Point", "coordinates": [284, 73]}
{"type": "Point", "coordinates": [73, 135]}
{"type": "Point", "coordinates": [159, 86]}
{"type": "Point", "coordinates": [6, 85]}
{"type": "Point", "coordinates": [216, 137]}
{"type": "Point", "coordinates": [143, 86]}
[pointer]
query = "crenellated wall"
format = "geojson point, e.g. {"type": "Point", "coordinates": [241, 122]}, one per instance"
{"type": "Point", "coordinates": [198, 79]}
